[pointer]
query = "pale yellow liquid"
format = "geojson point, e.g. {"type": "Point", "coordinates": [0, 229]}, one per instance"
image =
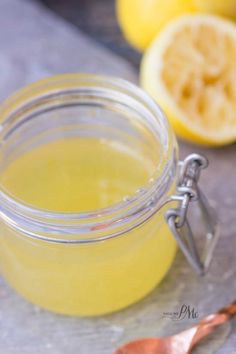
{"type": "Point", "coordinates": [74, 175]}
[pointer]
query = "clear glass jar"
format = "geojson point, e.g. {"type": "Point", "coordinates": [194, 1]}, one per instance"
{"type": "Point", "coordinates": [100, 261]}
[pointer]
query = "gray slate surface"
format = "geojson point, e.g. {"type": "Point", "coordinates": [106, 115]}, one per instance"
{"type": "Point", "coordinates": [35, 44]}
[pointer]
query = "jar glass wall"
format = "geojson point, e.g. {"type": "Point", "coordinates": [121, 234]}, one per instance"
{"type": "Point", "coordinates": [103, 244]}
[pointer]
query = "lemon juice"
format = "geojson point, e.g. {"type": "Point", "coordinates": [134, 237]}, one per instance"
{"type": "Point", "coordinates": [74, 175]}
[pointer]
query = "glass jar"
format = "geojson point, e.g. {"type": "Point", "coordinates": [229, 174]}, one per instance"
{"type": "Point", "coordinates": [97, 261]}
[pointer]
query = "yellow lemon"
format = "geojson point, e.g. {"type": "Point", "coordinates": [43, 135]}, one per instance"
{"type": "Point", "coordinates": [190, 70]}
{"type": "Point", "coordinates": [220, 7]}
{"type": "Point", "coordinates": [141, 20]}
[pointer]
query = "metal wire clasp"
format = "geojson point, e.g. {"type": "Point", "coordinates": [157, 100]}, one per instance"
{"type": "Point", "coordinates": [188, 191]}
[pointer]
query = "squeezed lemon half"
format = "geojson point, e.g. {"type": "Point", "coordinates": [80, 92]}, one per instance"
{"type": "Point", "coordinates": [190, 70]}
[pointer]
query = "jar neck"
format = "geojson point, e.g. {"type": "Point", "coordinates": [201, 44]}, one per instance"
{"type": "Point", "coordinates": [80, 89]}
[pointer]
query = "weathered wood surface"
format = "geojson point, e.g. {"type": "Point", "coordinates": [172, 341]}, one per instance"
{"type": "Point", "coordinates": [34, 44]}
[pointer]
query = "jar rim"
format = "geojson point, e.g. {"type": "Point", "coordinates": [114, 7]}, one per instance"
{"type": "Point", "coordinates": [98, 224]}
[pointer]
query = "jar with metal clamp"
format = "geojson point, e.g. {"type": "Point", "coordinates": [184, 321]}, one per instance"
{"type": "Point", "coordinates": [92, 196]}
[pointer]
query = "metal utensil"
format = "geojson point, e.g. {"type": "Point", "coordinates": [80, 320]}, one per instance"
{"type": "Point", "coordinates": [183, 342]}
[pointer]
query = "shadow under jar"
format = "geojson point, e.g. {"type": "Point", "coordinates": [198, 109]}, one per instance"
{"type": "Point", "coordinates": [88, 165]}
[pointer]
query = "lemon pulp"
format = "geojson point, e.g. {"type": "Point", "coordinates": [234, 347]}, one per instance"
{"type": "Point", "coordinates": [73, 175]}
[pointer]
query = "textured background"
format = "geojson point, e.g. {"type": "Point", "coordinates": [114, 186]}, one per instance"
{"type": "Point", "coordinates": [35, 43]}
{"type": "Point", "coordinates": [98, 20]}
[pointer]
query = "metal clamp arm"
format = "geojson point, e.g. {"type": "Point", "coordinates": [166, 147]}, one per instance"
{"type": "Point", "coordinates": [187, 192]}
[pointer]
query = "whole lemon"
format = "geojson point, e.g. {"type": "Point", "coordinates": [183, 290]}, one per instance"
{"type": "Point", "coordinates": [219, 7]}
{"type": "Point", "coordinates": [141, 20]}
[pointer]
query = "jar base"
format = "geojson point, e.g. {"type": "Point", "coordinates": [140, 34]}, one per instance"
{"type": "Point", "coordinates": [80, 313]}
